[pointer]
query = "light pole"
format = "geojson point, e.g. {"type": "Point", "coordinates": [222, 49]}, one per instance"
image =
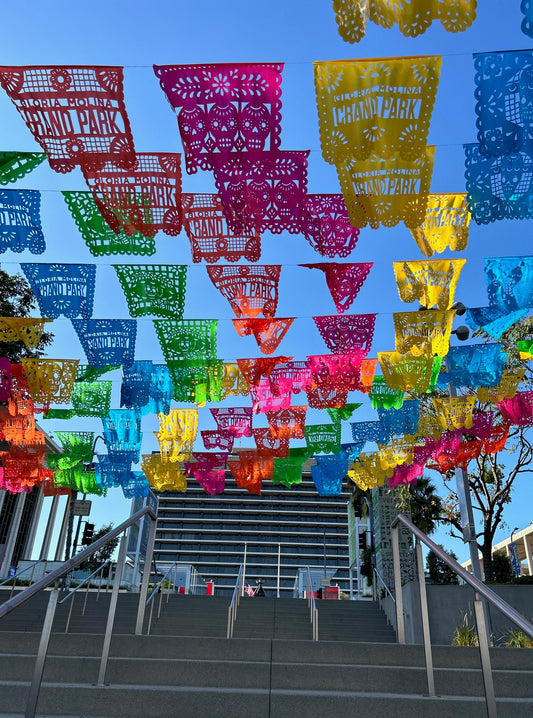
{"type": "Point", "coordinates": [461, 476]}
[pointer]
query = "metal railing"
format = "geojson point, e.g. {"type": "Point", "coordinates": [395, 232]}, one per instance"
{"type": "Point", "coordinates": [235, 600]}
{"type": "Point", "coordinates": [158, 588]}
{"type": "Point", "coordinates": [311, 602]}
{"type": "Point", "coordinates": [480, 589]}
{"type": "Point", "coordinates": [19, 573]}
{"type": "Point", "coordinates": [377, 592]}
{"type": "Point", "coordinates": [85, 580]}
{"type": "Point", "coordinates": [57, 574]}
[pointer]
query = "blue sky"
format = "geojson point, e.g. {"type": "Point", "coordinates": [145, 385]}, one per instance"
{"type": "Point", "coordinates": [140, 34]}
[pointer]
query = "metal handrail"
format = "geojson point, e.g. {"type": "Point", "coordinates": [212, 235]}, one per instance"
{"type": "Point", "coordinates": [312, 605]}
{"type": "Point", "coordinates": [85, 580]}
{"type": "Point", "coordinates": [387, 589]}
{"type": "Point", "coordinates": [154, 592]}
{"type": "Point", "coordinates": [54, 576]}
{"type": "Point", "coordinates": [487, 593]}
{"type": "Point", "coordinates": [69, 565]}
{"type": "Point", "coordinates": [19, 573]}
{"type": "Point", "coordinates": [480, 590]}
{"type": "Point", "coordinates": [156, 587]}
{"type": "Point", "coordinates": [235, 600]}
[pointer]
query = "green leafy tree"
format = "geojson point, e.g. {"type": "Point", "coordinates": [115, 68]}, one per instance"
{"type": "Point", "coordinates": [424, 504]}
{"type": "Point", "coordinates": [104, 553]}
{"type": "Point", "coordinates": [18, 300]}
{"type": "Point", "coordinates": [439, 571]}
{"type": "Point", "coordinates": [502, 571]}
{"type": "Point", "coordinates": [493, 476]}
{"type": "Point", "coordinates": [491, 485]}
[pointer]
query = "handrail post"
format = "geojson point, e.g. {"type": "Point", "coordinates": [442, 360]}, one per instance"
{"type": "Point", "coordinates": [400, 622]}
{"type": "Point", "coordinates": [33, 695]}
{"type": "Point", "coordinates": [70, 612]}
{"type": "Point", "coordinates": [312, 606]}
{"type": "Point", "coordinates": [112, 608]}
{"type": "Point", "coordinates": [149, 626]}
{"type": "Point", "coordinates": [146, 579]}
{"type": "Point", "coordinates": [161, 589]}
{"type": "Point", "coordinates": [13, 585]}
{"type": "Point", "coordinates": [425, 619]}
{"type": "Point", "coordinates": [483, 640]}
{"type": "Point", "coordinates": [85, 600]}
{"type": "Point", "coordinates": [100, 584]}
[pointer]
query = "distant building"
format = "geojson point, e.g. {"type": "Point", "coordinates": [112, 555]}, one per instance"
{"type": "Point", "coordinates": [19, 518]}
{"type": "Point", "coordinates": [524, 548]}
{"type": "Point", "coordinates": [213, 533]}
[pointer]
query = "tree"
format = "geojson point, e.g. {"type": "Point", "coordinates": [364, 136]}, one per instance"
{"type": "Point", "coordinates": [502, 571]}
{"type": "Point", "coordinates": [491, 482]}
{"type": "Point", "coordinates": [102, 555]}
{"type": "Point", "coordinates": [18, 300]}
{"type": "Point", "coordinates": [439, 571]}
{"type": "Point", "coordinates": [491, 485]}
{"type": "Point", "coordinates": [422, 502]}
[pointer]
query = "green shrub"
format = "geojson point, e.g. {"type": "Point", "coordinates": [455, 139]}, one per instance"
{"type": "Point", "coordinates": [515, 638]}
{"type": "Point", "coordinates": [465, 634]}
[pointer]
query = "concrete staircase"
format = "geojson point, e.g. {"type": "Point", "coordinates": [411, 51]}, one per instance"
{"type": "Point", "coordinates": [187, 674]}
{"type": "Point", "coordinates": [273, 618]}
{"type": "Point", "coordinates": [360, 621]}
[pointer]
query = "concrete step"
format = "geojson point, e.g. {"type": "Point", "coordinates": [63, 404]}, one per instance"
{"type": "Point", "coordinates": [257, 674]}
{"type": "Point", "coordinates": [158, 676]}
{"type": "Point", "coordinates": [141, 700]}
{"type": "Point", "coordinates": [308, 652]}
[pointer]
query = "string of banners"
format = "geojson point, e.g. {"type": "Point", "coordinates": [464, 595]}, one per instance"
{"type": "Point", "coordinates": [375, 133]}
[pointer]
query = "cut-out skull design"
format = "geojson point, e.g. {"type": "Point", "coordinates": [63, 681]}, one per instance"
{"type": "Point", "coordinates": [255, 126]}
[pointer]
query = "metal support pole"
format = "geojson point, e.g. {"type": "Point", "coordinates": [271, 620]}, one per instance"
{"type": "Point", "coordinates": [70, 525]}
{"type": "Point", "coordinates": [149, 627]}
{"type": "Point", "coordinates": [244, 566]}
{"type": "Point", "coordinates": [112, 608]}
{"type": "Point", "coordinates": [358, 559]}
{"type": "Point", "coordinates": [425, 619]}
{"type": "Point", "coordinates": [45, 548]}
{"type": "Point", "coordinates": [160, 599]}
{"type": "Point", "coordinates": [85, 599]}
{"type": "Point", "coordinates": [70, 612]}
{"type": "Point", "coordinates": [77, 534]}
{"type": "Point", "coordinates": [465, 506]}
{"type": "Point", "coordinates": [146, 579]}
{"type": "Point", "coordinates": [325, 571]}
{"type": "Point", "coordinates": [467, 520]}
{"type": "Point", "coordinates": [33, 696]}
{"type": "Point", "coordinates": [279, 562]}
{"type": "Point", "coordinates": [483, 638]}
{"type": "Point", "coordinates": [400, 623]}
{"type": "Point", "coordinates": [60, 546]}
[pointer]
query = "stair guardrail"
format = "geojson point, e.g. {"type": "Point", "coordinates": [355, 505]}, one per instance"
{"type": "Point", "coordinates": [311, 602]}
{"type": "Point", "coordinates": [480, 589]}
{"type": "Point", "coordinates": [158, 588]}
{"type": "Point", "coordinates": [57, 574]}
{"type": "Point", "coordinates": [24, 570]}
{"type": "Point", "coordinates": [377, 593]}
{"type": "Point", "coordinates": [235, 600]}
{"type": "Point", "coordinates": [74, 591]}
